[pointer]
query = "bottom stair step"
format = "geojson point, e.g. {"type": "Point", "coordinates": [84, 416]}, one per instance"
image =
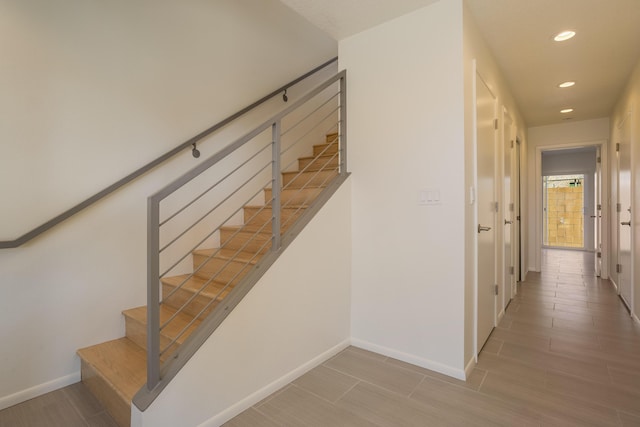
{"type": "Point", "coordinates": [136, 327]}
{"type": "Point", "coordinates": [114, 371]}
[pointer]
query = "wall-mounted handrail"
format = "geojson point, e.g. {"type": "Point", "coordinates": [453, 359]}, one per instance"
{"type": "Point", "coordinates": [8, 244]}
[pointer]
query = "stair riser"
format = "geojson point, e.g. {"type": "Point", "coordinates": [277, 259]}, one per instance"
{"type": "Point", "coordinates": [245, 241]}
{"type": "Point", "coordinates": [296, 196]}
{"type": "Point", "coordinates": [258, 228]}
{"type": "Point", "coordinates": [325, 149]}
{"type": "Point", "coordinates": [266, 214]}
{"type": "Point", "coordinates": [117, 407]}
{"type": "Point", "coordinates": [331, 137]}
{"type": "Point", "coordinates": [182, 296]}
{"type": "Point", "coordinates": [223, 269]}
{"type": "Point", "coordinates": [137, 332]}
{"type": "Point", "coordinates": [305, 179]}
{"type": "Point", "coordinates": [318, 163]}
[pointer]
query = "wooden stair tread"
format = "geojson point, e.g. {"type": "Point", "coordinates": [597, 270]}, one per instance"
{"type": "Point", "coordinates": [309, 187]}
{"type": "Point", "coordinates": [228, 254]}
{"type": "Point", "coordinates": [121, 363]}
{"type": "Point", "coordinates": [194, 284]}
{"type": "Point", "coordinates": [332, 169]}
{"type": "Point", "coordinates": [326, 157]}
{"type": "Point", "coordinates": [242, 228]}
{"type": "Point", "coordinates": [179, 322]}
{"type": "Point", "coordinates": [231, 252]}
{"type": "Point", "coordinates": [292, 206]}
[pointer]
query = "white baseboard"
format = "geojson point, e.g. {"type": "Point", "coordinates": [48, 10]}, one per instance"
{"type": "Point", "coordinates": [615, 285]}
{"type": "Point", "coordinates": [271, 388]}
{"type": "Point", "coordinates": [38, 390]}
{"type": "Point", "coordinates": [470, 365]}
{"type": "Point", "coordinates": [410, 358]}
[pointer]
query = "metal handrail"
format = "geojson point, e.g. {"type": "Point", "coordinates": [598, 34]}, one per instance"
{"type": "Point", "coordinates": [159, 374]}
{"type": "Point", "coordinates": [9, 244]}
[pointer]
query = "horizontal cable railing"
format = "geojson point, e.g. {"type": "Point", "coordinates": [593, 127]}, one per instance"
{"type": "Point", "coordinates": [206, 251]}
{"type": "Point", "coordinates": [189, 144]}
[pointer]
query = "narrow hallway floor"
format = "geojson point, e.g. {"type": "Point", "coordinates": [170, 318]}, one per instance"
{"type": "Point", "coordinates": [566, 353]}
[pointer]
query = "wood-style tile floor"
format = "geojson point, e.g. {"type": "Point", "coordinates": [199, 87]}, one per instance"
{"type": "Point", "coordinates": [72, 406]}
{"type": "Point", "coordinates": [566, 353]}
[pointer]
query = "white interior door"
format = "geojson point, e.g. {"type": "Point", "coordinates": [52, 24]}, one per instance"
{"type": "Point", "coordinates": [598, 214]}
{"type": "Point", "coordinates": [624, 212]}
{"type": "Point", "coordinates": [517, 220]}
{"type": "Point", "coordinates": [486, 210]}
{"type": "Point", "coordinates": [508, 210]}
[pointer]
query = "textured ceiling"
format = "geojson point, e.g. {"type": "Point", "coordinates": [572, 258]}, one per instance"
{"type": "Point", "coordinates": [519, 32]}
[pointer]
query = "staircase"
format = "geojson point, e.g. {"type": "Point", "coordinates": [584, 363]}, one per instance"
{"type": "Point", "coordinates": [114, 371]}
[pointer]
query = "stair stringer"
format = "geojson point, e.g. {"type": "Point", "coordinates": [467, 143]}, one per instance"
{"type": "Point", "coordinates": [296, 316]}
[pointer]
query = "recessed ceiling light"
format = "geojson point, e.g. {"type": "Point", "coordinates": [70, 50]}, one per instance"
{"type": "Point", "coordinates": [566, 110]}
{"type": "Point", "coordinates": [565, 35]}
{"type": "Point", "coordinates": [566, 84]}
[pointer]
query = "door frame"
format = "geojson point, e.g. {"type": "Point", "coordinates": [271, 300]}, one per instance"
{"type": "Point", "coordinates": [604, 177]}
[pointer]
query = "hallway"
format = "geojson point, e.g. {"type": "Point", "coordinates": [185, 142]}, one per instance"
{"type": "Point", "coordinates": [565, 354]}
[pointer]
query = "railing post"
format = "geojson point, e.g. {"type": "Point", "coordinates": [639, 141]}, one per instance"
{"type": "Point", "coordinates": [275, 185]}
{"type": "Point", "coordinates": [153, 292]}
{"type": "Point", "coordinates": [342, 129]}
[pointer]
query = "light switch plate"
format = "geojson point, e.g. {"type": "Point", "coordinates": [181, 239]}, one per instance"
{"type": "Point", "coordinates": [429, 197]}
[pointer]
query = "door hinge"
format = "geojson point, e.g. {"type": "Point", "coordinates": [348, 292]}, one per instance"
{"type": "Point", "coordinates": [599, 255]}
{"type": "Point", "coordinates": [618, 207]}
{"type": "Point", "coordinates": [598, 159]}
{"type": "Point", "coordinates": [617, 146]}
{"type": "Point", "coordinates": [495, 123]}
{"type": "Point", "coordinates": [512, 144]}
{"type": "Point", "coordinates": [496, 289]}
{"type": "Point", "coordinates": [497, 207]}
{"type": "Point", "coordinates": [618, 268]}
{"type": "Point", "coordinates": [512, 270]}
{"type": "Point", "coordinates": [518, 217]}
{"type": "Point", "coordinates": [599, 207]}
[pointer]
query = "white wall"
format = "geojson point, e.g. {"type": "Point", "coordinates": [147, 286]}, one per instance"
{"type": "Point", "coordinates": [565, 135]}
{"type": "Point", "coordinates": [405, 133]}
{"type": "Point", "coordinates": [475, 48]}
{"type": "Point", "coordinates": [294, 318]}
{"type": "Point", "coordinates": [558, 162]}
{"type": "Point", "coordinates": [90, 92]}
{"type": "Point", "coordinates": [629, 101]}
